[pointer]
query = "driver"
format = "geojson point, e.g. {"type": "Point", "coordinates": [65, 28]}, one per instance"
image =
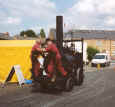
{"type": "Point", "coordinates": [51, 47]}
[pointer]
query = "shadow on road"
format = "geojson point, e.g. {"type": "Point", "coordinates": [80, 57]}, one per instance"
{"type": "Point", "coordinates": [53, 91]}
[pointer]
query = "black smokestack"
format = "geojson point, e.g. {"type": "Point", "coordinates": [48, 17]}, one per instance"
{"type": "Point", "coordinates": [59, 31]}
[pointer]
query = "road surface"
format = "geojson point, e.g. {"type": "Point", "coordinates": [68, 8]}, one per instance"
{"type": "Point", "coordinates": [98, 90]}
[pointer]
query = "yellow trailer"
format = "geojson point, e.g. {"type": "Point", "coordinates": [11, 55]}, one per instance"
{"type": "Point", "coordinates": [13, 52]}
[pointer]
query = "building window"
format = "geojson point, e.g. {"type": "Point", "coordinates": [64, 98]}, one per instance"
{"type": "Point", "coordinates": [98, 43]}
{"type": "Point", "coordinates": [113, 44]}
{"type": "Point", "coordinates": [113, 52]}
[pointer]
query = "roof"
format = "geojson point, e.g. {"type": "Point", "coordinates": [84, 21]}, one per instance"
{"type": "Point", "coordinates": [87, 34]}
{"type": "Point", "coordinates": [4, 36]}
{"type": "Point", "coordinates": [90, 34]}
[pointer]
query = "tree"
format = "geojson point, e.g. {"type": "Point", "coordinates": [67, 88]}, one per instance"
{"type": "Point", "coordinates": [91, 52]}
{"type": "Point", "coordinates": [28, 33]}
{"type": "Point", "coordinates": [22, 33]}
{"type": "Point", "coordinates": [42, 33]}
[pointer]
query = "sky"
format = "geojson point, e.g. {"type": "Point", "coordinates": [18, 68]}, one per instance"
{"type": "Point", "coordinates": [18, 15]}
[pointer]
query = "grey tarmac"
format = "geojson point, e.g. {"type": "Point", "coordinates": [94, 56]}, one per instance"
{"type": "Point", "coordinates": [98, 90]}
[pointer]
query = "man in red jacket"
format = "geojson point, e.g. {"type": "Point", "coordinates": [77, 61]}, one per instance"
{"type": "Point", "coordinates": [51, 47]}
{"type": "Point", "coordinates": [36, 49]}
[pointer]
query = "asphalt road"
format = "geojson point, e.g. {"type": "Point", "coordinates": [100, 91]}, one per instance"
{"type": "Point", "coordinates": [98, 90]}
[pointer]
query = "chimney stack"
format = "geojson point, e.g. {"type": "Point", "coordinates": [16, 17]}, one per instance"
{"type": "Point", "coordinates": [59, 31]}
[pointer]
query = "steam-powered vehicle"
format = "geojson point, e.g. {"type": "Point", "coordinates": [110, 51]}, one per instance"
{"type": "Point", "coordinates": [72, 62]}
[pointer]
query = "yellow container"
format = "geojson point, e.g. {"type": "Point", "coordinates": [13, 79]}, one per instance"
{"type": "Point", "coordinates": [13, 52]}
{"type": "Point", "coordinates": [98, 67]}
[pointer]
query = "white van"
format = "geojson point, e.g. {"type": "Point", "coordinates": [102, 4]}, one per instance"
{"type": "Point", "coordinates": [101, 58]}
